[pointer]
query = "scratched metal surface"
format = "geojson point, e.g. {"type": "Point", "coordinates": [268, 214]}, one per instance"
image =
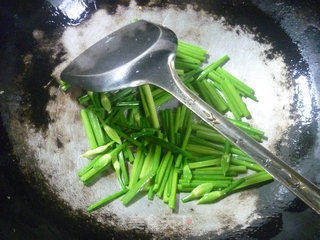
{"type": "Point", "coordinates": [43, 131]}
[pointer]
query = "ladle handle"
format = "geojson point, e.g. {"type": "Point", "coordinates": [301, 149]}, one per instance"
{"type": "Point", "coordinates": [300, 186]}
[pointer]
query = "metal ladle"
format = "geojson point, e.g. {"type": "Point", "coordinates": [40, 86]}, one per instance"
{"type": "Point", "coordinates": [144, 53]}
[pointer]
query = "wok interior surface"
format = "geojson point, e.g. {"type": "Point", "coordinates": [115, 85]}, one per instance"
{"type": "Point", "coordinates": [34, 111]}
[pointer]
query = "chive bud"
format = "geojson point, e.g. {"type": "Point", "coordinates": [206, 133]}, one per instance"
{"type": "Point", "coordinates": [93, 152]}
{"type": "Point", "coordinates": [199, 191]}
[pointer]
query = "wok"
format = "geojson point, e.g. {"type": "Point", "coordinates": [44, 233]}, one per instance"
{"type": "Point", "coordinates": [273, 45]}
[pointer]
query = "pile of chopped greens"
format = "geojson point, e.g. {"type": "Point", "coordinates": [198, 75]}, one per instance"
{"type": "Point", "coordinates": [169, 151]}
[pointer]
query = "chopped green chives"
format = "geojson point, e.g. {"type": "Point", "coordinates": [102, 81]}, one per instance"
{"type": "Point", "coordinates": [161, 184]}
{"type": "Point", "coordinates": [112, 134]}
{"type": "Point", "coordinates": [151, 105]}
{"type": "Point", "coordinates": [107, 199]}
{"type": "Point", "coordinates": [236, 97]}
{"type": "Point", "coordinates": [137, 187]}
{"type": "Point", "coordinates": [83, 99]}
{"type": "Point", "coordinates": [147, 164]}
{"type": "Point", "coordinates": [105, 102]}
{"type": "Point", "coordinates": [123, 169]}
{"type": "Point", "coordinates": [161, 171]}
{"type": "Point", "coordinates": [172, 198]}
{"type": "Point", "coordinates": [98, 150]}
{"type": "Point", "coordinates": [206, 163]}
{"type": "Point", "coordinates": [220, 103]}
{"type": "Point", "coordinates": [235, 80]}
{"type": "Point", "coordinates": [211, 136]}
{"type": "Point", "coordinates": [96, 127]}
{"type": "Point", "coordinates": [192, 47]}
{"type": "Point", "coordinates": [212, 66]}
{"type": "Point", "coordinates": [249, 165]}
{"type": "Point", "coordinates": [88, 128]}
{"type": "Point", "coordinates": [254, 180]}
{"type": "Point", "coordinates": [138, 161]}
{"type": "Point", "coordinates": [171, 126]}
{"type": "Point", "coordinates": [168, 158]}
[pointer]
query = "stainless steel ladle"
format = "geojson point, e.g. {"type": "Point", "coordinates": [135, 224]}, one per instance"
{"type": "Point", "coordinates": [144, 53]}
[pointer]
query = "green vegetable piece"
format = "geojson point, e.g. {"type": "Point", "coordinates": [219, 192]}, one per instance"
{"type": "Point", "coordinates": [199, 141]}
{"type": "Point", "coordinates": [64, 86]}
{"type": "Point", "coordinates": [210, 197]}
{"type": "Point", "coordinates": [83, 99]}
{"type": "Point", "coordinates": [151, 106]}
{"type": "Point", "coordinates": [136, 117]}
{"type": "Point", "coordinates": [147, 164]}
{"type": "Point", "coordinates": [235, 95]}
{"type": "Point", "coordinates": [151, 192]}
{"type": "Point", "coordinates": [215, 195]}
{"type": "Point", "coordinates": [112, 133]}
{"type": "Point", "coordinates": [125, 136]}
{"type": "Point", "coordinates": [184, 58]}
{"type": "Point", "coordinates": [117, 168]}
{"type": "Point", "coordinates": [185, 65]}
{"type": "Point", "coordinates": [186, 173]}
{"type": "Point", "coordinates": [254, 180]}
{"type": "Point", "coordinates": [246, 127]}
{"type": "Point", "coordinates": [161, 170]}
{"type": "Point", "coordinates": [203, 150]}
{"type": "Point", "coordinates": [120, 95]}
{"type": "Point", "coordinates": [144, 102]}
{"type": "Point", "coordinates": [239, 169]}
{"type": "Point", "coordinates": [100, 165]}
{"type": "Point", "coordinates": [212, 66]}
{"type": "Point", "coordinates": [218, 100]}
{"type": "Point", "coordinates": [167, 186]}
{"type": "Point", "coordinates": [167, 145]}
{"type": "Point", "coordinates": [181, 188]}
{"type": "Point", "coordinates": [192, 47]}
{"type": "Point", "coordinates": [209, 177]}
{"type": "Point", "coordinates": [105, 102]}
{"type": "Point", "coordinates": [156, 158]}
{"type": "Point", "coordinates": [207, 163]}
{"type": "Point", "coordinates": [198, 192]}
{"type": "Point", "coordinates": [89, 165]}
{"type": "Point", "coordinates": [204, 127]}
{"type": "Point", "coordinates": [177, 119]}
{"type": "Point", "coordinates": [136, 168]}
{"type": "Point", "coordinates": [107, 199]}
{"type": "Point", "coordinates": [163, 99]}
{"type": "Point", "coordinates": [95, 99]}
{"type": "Point", "coordinates": [232, 103]}
{"type": "Point", "coordinates": [211, 136]}
{"type": "Point", "coordinates": [185, 139]}
{"type": "Point", "coordinates": [123, 168]}
{"type": "Point", "coordinates": [130, 155]}
{"type": "Point", "coordinates": [235, 81]}
{"type": "Point", "coordinates": [89, 130]}
{"type": "Point", "coordinates": [171, 126]}
{"type": "Point", "coordinates": [136, 188]}
{"type": "Point", "coordinates": [96, 127]}
{"type": "Point", "coordinates": [93, 152]}
{"type": "Point", "coordinates": [184, 51]}
{"type": "Point", "coordinates": [249, 165]}
{"type": "Point", "coordinates": [172, 198]}
{"type": "Point", "coordinates": [163, 183]}
{"type": "Point", "coordinates": [225, 163]}
{"type": "Point", "coordinates": [216, 183]}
